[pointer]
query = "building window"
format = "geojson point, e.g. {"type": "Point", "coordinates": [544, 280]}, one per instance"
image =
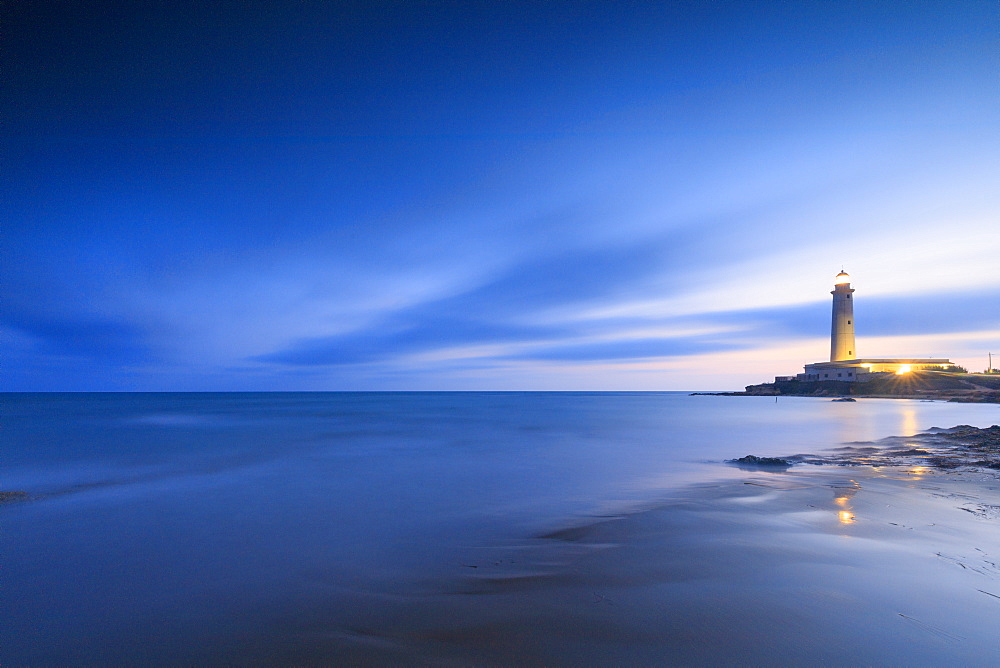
{"type": "Point", "coordinates": [848, 322]}
{"type": "Point", "coordinates": [826, 375]}
{"type": "Point", "coordinates": [838, 375]}
{"type": "Point", "coordinates": [848, 296]}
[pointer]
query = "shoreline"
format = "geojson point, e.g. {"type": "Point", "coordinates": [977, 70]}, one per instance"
{"type": "Point", "coordinates": [925, 396]}
{"type": "Point", "coordinates": [864, 552]}
{"type": "Point", "coordinates": [869, 555]}
{"type": "Point", "coordinates": [832, 566]}
{"type": "Point", "coordinates": [916, 384]}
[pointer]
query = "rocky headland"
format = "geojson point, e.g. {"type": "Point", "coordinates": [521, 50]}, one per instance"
{"type": "Point", "coordinates": [943, 386]}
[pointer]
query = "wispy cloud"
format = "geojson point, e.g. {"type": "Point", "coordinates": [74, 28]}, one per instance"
{"type": "Point", "coordinates": [478, 195]}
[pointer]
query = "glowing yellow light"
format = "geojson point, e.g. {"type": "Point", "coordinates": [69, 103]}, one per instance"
{"type": "Point", "coordinates": [846, 517]}
{"type": "Point", "coordinates": [903, 368]}
{"type": "Point", "coordinates": [842, 278]}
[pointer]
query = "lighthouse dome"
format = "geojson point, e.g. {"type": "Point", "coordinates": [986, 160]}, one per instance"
{"type": "Point", "coordinates": [842, 278]}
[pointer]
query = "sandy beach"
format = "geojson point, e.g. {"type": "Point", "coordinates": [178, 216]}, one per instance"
{"type": "Point", "coordinates": [813, 566]}
{"type": "Point", "coordinates": [810, 565]}
{"type": "Point", "coordinates": [841, 566]}
{"type": "Point", "coordinates": [517, 529]}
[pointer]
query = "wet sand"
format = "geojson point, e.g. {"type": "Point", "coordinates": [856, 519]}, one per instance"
{"type": "Point", "coordinates": [870, 553]}
{"type": "Point", "coordinates": [832, 565]}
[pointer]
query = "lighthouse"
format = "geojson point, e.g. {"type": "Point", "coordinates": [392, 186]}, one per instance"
{"type": "Point", "coordinates": [844, 364]}
{"type": "Point", "coordinates": [842, 330]}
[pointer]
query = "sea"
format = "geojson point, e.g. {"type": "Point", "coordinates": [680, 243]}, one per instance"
{"type": "Point", "coordinates": [193, 528]}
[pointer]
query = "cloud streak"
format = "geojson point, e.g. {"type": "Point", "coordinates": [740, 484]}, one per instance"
{"type": "Point", "coordinates": [477, 195]}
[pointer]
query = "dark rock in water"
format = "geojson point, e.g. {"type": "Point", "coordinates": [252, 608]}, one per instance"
{"type": "Point", "coordinates": [845, 399]}
{"type": "Point", "coordinates": [905, 452]}
{"type": "Point", "coordinates": [13, 496]}
{"type": "Point", "coordinates": [952, 448]}
{"type": "Point", "coordinates": [973, 438]}
{"type": "Point", "coordinates": [762, 461]}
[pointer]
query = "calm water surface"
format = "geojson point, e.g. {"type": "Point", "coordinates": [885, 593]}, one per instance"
{"type": "Point", "coordinates": [162, 522]}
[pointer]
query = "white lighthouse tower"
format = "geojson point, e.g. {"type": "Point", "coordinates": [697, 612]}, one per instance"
{"type": "Point", "coordinates": [844, 364]}
{"type": "Point", "coordinates": [842, 331]}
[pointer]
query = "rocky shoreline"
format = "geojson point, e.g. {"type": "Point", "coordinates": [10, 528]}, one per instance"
{"type": "Point", "coordinates": [921, 384]}
{"type": "Point", "coordinates": [971, 398]}
{"type": "Point", "coordinates": [961, 446]}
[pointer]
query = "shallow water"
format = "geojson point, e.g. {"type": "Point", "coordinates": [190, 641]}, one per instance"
{"type": "Point", "coordinates": [171, 528]}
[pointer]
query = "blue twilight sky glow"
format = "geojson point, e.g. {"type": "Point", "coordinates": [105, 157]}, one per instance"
{"type": "Point", "coordinates": [491, 195]}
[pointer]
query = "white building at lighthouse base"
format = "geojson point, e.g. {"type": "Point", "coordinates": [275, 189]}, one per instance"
{"type": "Point", "coordinates": [862, 369]}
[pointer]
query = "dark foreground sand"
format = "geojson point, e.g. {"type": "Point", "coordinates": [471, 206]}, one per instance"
{"type": "Point", "coordinates": [832, 565]}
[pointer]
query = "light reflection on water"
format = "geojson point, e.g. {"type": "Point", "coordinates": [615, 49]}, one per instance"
{"type": "Point", "coordinates": [842, 498]}
{"type": "Point", "coordinates": [157, 507]}
{"type": "Point", "coordinates": [909, 424]}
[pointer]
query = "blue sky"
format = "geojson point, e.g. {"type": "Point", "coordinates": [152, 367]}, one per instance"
{"type": "Point", "coordinates": [501, 195]}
